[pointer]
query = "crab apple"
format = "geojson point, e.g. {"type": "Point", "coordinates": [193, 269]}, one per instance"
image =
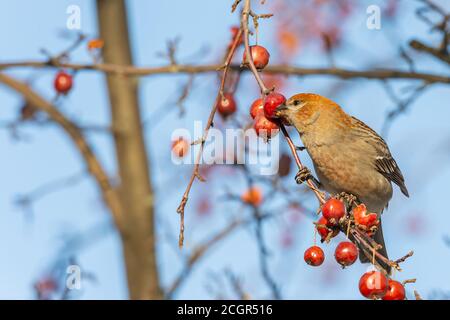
{"type": "Point", "coordinates": [46, 285]}
{"type": "Point", "coordinates": [226, 105]}
{"type": "Point", "coordinates": [346, 253]}
{"type": "Point", "coordinates": [260, 56]}
{"type": "Point", "coordinates": [324, 231]}
{"type": "Point", "coordinates": [257, 107]}
{"type": "Point", "coordinates": [363, 218]}
{"type": "Point", "coordinates": [63, 82]}
{"type": "Point", "coordinates": [271, 102]}
{"type": "Point", "coordinates": [180, 147]}
{"type": "Point", "coordinates": [333, 210]}
{"type": "Point", "coordinates": [395, 291]}
{"type": "Point", "coordinates": [264, 127]}
{"type": "Point", "coordinates": [234, 32]}
{"type": "Point", "coordinates": [252, 196]}
{"type": "Point", "coordinates": [314, 256]}
{"type": "Point", "coordinates": [373, 284]}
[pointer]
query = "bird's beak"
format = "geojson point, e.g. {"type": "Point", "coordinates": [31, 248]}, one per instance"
{"type": "Point", "coordinates": [281, 109]}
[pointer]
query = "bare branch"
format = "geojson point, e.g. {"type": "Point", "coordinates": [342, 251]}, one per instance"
{"type": "Point", "coordinates": [200, 251]}
{"type": "Point", "coordinates": [437, 53]}
{"type": "Point", "coordinates": [374, 74]}
{"type": "Point", "coordinates": [95, 168]}
{"type": "Point", "coordinates": [236, 284]}
{"type": "Point", "coordinates": [50, 187]}
{"type": "Point", "coordinates": [195, 172]}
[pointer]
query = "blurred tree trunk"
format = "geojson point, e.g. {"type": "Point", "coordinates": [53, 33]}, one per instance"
{"type": "Point", "coordinates": [137, 231]}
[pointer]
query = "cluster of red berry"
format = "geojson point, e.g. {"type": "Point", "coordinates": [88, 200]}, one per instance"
{"type": "Point", "coordinates": [373, 284]}
{"type": "Point", "coordinates": [261, 110]}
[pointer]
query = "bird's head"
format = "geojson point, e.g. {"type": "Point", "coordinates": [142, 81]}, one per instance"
{"type": "Point", "coordinates": [305, 108]}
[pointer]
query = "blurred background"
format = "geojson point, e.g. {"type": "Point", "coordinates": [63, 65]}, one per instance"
{"type": "Point", "coordinates": [51, 213]}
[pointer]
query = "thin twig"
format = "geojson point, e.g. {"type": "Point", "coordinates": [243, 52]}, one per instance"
{"type": "Point", "coordinates": [195, 172]}
{"type": "Point", "coordinates": [406, 256]}
{"type": "Point", "coordinates": [262, 248]}
{"type": "Point", "coordinates": [374, 74]}
{"type": "Point", "coordinates": [417, 295]}
{"type": "Point", "coordinates": [95, 168]}
{"type": "Point", "coordinates": [437, 53]}
{"type": "Point", "coordinates": [319, 195]}
{"type": "Point", "coordinates": [203, 248]}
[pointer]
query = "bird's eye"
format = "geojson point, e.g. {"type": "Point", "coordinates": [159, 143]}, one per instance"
{"type": "Point", "coordinates": [296, 102]}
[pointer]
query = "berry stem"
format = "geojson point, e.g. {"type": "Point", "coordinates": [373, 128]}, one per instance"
{"type": "Point", "coordinates": [319, 195]}
{"type": "Point", "coordinates": [264, 91]}
{"type": "Point", "coordinates": [244, 26]}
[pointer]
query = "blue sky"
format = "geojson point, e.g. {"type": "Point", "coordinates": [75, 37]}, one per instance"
{"type": "Point", "coordinates": [419, 140]}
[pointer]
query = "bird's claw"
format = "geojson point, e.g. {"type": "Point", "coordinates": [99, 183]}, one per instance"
{"type": "Point", "coordinates": [303, 175]}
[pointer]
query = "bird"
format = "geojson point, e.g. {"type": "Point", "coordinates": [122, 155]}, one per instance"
{"type": "Point", "coordinates": [348, 156]}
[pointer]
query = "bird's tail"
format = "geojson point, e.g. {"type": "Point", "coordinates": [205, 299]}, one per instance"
{"type": "Point", "coordinates": [378, 237]}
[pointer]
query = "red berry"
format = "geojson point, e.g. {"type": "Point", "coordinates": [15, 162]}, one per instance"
{"type": "Point", "coordinates": [324, 231]}
{"type": "Point", "coordinates": [226, 105]}
{"type": "Point", "coordinates": [395, 291]}
{"type": "Point", "coordinates": [333, 210]}
{"type": "Point", "coordinates": [257, 107]}
{"type": "Point", "coordinates": [234, 32]}
{"type": "Point", "coordinates": [63, 82]}
{"type": "Point", "coordinates": [180, 147]}
{"type": "Point", "coordinates": [373, 284]}
{"type": "Point", "coordinates": [46, 285]}
{"type": "Point", "coordinates": [346, 253]}
{"type": "Point", "coordinates": [264, 127]}
{"type": "Point", "coordinates": [252, 196]}
{"type": "Point", "coordinates": [260, 56]}
{"type": "Point", "coordinates": [363, 218]}
{"type": "Point", "coordinates": [314, 256]}
{"type": "Point", "coordinates": [271, 103]}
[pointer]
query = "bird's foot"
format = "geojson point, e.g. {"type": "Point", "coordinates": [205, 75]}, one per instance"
{"type": "Point", "coordinates": [303, 175]}
{"type": "Point", "coordinates": [300, 148]}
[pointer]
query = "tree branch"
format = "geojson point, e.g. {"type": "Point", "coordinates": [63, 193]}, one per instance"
{"type": "Point", "coordinates": [376, 74]}
{"type": "Point", "coordinates": [201, 250]}
{"type": "Point", "coordinates": [138, 229]}
{"type": "Point", "coordinates": [195, 172]}
{"type": "Point", "coordinates": [109, 193]}
{"type": "Point", "coordinates": [439, 54]}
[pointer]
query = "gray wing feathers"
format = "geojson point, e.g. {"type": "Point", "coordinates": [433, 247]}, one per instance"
{"type": "Point", "coordinates": [384, 162]}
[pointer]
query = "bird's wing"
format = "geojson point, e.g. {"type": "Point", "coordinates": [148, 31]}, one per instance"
{"type": "Point", "coordinates": [384, 162]}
